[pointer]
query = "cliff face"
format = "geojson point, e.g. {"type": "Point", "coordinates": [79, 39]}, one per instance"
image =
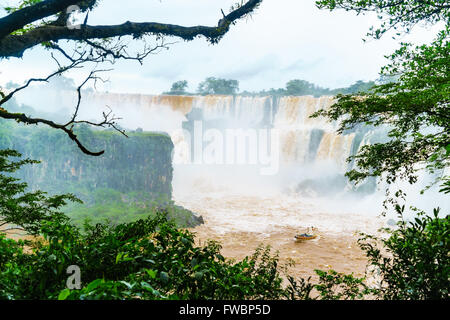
{"type": "Point", "coordinates": [140, 163]}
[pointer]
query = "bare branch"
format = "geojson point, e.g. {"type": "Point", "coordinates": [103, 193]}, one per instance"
{"type": "Point", "coordinates": [16, 45]}
{"type": "Point", "coordinates": [60, 71]}
{"type": "Point", "coordinates": [109, 120]}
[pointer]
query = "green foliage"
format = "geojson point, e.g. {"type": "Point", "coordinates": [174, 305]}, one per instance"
{"type": "Point", "coordinates": [178, 88]}
{"type": "Point", "coordinates": [337, 286]}
{"type": "Point", "coordinates": [218, 86]}
{"type": "Point", "coordinates": [302, 87]}
{"type": "Point", "coordinates": [114, 207]}
{"type": "Point", "coordinates": [84, 5]}
{"type": "Point", "coordinates": [129, 182]}
{"type": "Point", "coordinates": [358, 87]}
{"type": "Point", "coordinates": [445, 185]}
{"type": "Point", "coordinates": [412, 101]}
{"type": "Point", "coordinates": [147, 259]}
{"type": "Point", "coordinates": [413, 263]}
{"type": "Point", "coordinates": [21, 5]}
{"type": "Point", "coordinates": [25, 210]}
{"type": "Point", "coordinates": [152, 259]}
{"type": "Point", "coordinates": [413, 104]}
{"type": "Point", "coordinates": [394, 15]}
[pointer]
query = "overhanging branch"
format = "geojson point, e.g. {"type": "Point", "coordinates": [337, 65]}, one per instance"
{"type": "Point", "coordinates": [16, 45]}
{"type": "Point", "coordinates": [109, 120]}
{"type": "Point", "coordinates": [27, 15]}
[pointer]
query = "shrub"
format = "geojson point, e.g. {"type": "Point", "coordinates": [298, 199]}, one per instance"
{"type": "Point", "coordinates": [413, 262]}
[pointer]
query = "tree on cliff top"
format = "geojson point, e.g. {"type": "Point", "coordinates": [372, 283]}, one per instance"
{"type": "Point", "coordinates": [218, 86]}
{"type": "Point", "coordinates": [50, 23]}
{"type": "Point", "coordinates": [178, 88]}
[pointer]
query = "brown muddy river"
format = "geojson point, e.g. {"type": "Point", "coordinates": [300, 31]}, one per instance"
{"type": "Point", "coordinates": [242, 222]}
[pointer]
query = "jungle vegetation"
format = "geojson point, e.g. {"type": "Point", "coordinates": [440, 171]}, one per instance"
{"type": "Point", "coordinates": [153, 259]}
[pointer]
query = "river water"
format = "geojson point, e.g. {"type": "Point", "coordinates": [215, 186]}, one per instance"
{"type": "Point", "coordinates": [241, 220]}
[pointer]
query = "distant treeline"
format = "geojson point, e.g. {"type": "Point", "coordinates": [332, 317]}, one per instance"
{"type": "Point", "coordinates": [297, 87]}
{"type": "Point", "coordinates": [221, 86]}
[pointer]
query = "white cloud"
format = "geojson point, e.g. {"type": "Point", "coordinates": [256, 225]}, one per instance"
{"type": "Point", "coordinates": [283, 40]}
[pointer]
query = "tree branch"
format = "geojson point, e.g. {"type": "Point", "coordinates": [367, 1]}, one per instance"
{"type": "Point", "coordinates": [108, 118]}
{"type": "Point", "coordinates": [16, 45]}
{"type": "Point", "coordinates": [22, 17]}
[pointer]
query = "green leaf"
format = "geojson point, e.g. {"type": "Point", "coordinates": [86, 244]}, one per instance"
{"type": "Point", "coordinates": [151, 273]}
{"type": "Point", "coordinates": [64, 294]}
{"type": "Point", "coordinates": [94, 284]}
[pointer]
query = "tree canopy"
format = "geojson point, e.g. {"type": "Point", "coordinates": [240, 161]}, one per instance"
{"type": "Point", "coordinates": [295, 87]}
{"type": "Point", "coordinates": [179, 88]}
{"type": "Point", "coordinates": [400, 16]}
{"type": "Point", "coordinates": [218, 86]}
{"type": "Point", "coordinates": [414, 105]}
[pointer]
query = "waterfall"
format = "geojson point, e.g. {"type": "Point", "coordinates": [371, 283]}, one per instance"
{"type": "Point", "coordinates": [245, 137]}
{"type": "Point", "coordinates": [302, 139]}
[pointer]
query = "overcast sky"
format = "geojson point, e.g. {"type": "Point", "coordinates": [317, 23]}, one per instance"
{"type": "Point", "coordinates": [284, 40]}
